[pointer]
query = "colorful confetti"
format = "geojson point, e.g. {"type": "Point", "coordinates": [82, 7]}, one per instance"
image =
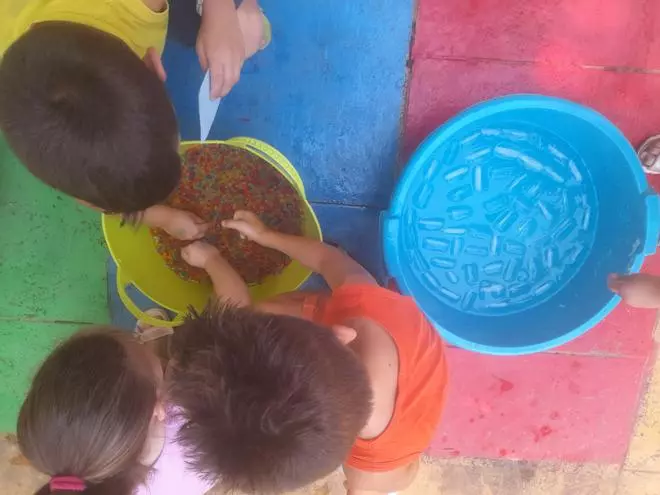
{"type": "Point", "coordinates": [217, 180]}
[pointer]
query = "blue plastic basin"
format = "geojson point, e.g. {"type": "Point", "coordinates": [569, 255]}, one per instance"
{"type": "Point", "coordinates": [509, 218]}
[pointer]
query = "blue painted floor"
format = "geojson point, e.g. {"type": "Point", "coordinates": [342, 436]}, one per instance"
{"type": "Point", "coordinates": [328, 92]}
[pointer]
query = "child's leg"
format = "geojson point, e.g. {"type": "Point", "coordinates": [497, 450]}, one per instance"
{"type": "Point", "coordinates": [298, 304]}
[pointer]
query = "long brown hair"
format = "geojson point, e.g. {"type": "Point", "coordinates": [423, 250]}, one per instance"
{"type": "Point", "coordinates": [88, 411]}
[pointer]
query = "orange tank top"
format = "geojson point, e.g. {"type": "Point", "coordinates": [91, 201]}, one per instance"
{"type": "Point", "coordinates": [422, 373]}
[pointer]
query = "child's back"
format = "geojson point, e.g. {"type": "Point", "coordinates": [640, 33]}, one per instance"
{"type": "Point", "coordinates": [409, 420]}
{"type": "Point", "coordinates": [132, 21]}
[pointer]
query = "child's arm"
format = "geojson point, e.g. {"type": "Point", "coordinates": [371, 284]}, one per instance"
{"type": "Point", "coordinates": [227, 283]}
{"type": "Point", "coordinates": [639, 290]}
{"type": "Point", "coordinates": [180, 224]}
{"type": "Point", "coordinates": [336, 267]}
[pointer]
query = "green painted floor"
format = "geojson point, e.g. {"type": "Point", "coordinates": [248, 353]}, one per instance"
{"type": "Point", "coordinates": [52, 276]}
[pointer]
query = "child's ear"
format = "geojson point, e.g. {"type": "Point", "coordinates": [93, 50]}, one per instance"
{"type": "Point", "coordinates": [345, 334]}
{"type": "Point", "coordinates": [154, 63]}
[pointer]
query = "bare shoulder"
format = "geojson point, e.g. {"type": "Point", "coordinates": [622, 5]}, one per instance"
{"type": "Point", "coordinates": [380, 356]}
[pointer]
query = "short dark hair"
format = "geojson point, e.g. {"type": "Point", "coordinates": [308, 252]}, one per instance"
{"type": "Point", "coordinates": [269, 403]}
{"type": "Point", "coordinates": [87, 117]}
{"type": "Point", "coordinates": [88, 411]}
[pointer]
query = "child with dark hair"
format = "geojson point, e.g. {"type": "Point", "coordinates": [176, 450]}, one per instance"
{"type": "Point", "coordinates": [97, 125]}
{"type": "Point", "coordinates": [82, 100]}
{"type": "Point", "coordinates": [95, 421]}
{"type": "Point", "coordinates": [269, 403]}
{"type": "Point", "coordinates": [274, 397]}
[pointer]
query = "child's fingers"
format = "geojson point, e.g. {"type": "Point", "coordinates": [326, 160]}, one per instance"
{"type": "Point", "coordinates": [238, 225]}
{"type": "Point", "coordinates": [218, 83]}
{"type": "Point", "coordinates": [231, 76]}
{"type": "Point", "coordinates": [247, 216]}
{"type": "Point", "coordinates": [153, 62]}
{"type": "Point", "coordinates": [624, 284]}
{"type": "Point", "coordinates": [185, 254]}
{"type": "Point", "coordinates": [242, 215]}
{"type": "Point", "coordinates": [615, 282]}
{"type": "Point", "coordinates": [233, 224]}
{"type": "Point", "coordinates": [201, 54]}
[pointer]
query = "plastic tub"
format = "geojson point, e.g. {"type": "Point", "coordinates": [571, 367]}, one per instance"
{"type": "Point", "coordinates": [509, 218]}
{"type": "Point", "coordinates": [139, 264]}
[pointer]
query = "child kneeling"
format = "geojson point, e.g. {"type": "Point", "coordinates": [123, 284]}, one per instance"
{"type": "Point", "coordinates": [275, 397]}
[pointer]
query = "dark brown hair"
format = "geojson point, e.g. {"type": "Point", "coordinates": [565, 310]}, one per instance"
{"type": "Point", "coordinates": [88, 411]}
{"type": "Point", "coordinates": [270, 403]}
{"type": "Point", "coordinates": [86, 116]}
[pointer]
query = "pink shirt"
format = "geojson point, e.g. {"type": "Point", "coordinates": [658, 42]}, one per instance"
{"type": "Point", "coordinates": [170, 475]}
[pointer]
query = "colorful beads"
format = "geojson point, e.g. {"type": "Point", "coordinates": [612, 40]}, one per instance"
{"type": "Point", "coordinates": [217, 180]}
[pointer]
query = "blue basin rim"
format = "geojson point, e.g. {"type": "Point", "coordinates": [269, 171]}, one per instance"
{"type": "Point", "coordinates": [390, 223]}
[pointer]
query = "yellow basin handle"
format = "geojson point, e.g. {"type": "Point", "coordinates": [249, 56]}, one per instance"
{"type": "Point", "coordinates": [137, 312]}
{"type": "Point", "coordinates": [272, 156]}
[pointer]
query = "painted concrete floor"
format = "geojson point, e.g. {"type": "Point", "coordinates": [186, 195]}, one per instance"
{"type": "Point", "coordinates": [638, 475]}
{"type": "Point", "coordinates": [46, 292]}
{"type": "Point", "coordinates": [329, 92]}
{"type": "Point", "coordinates": [576, 403]}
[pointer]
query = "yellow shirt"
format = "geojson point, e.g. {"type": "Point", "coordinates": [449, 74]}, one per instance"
{"type": "Point", "coordinates": [130, 20]}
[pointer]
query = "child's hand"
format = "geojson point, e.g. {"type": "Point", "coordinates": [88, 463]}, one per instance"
{"type": "Point", "coordinates": [184, 225]}
{"type": "Point", "coordinates": [199, 254]}
{"type": "Point", "coordinates": [220, 45]}
{"type": "Point", "coordinates": [248, 225]}
{"type": "Point", "coordinates": [638, 290]}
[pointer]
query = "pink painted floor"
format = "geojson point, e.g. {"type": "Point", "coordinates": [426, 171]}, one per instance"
{"type": "Point", "coordinates": [577, 403]}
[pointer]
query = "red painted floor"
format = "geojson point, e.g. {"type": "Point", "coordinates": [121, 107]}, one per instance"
{"type": "Point", "coordinates": [440, 88]}
{"type": "Point", "coordinates": [547, 406]}
{"type": "Point", "coordinates": [595, 32]}
{"type": "Point", "coordinates": [579, 402]}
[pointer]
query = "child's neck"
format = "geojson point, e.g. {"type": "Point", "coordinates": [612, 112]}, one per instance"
{"type": "Point", "coordinates": [154, 444]}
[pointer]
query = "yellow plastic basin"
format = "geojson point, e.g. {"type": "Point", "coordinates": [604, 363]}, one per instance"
{"type": "Point", "coordinates": [140, 265]}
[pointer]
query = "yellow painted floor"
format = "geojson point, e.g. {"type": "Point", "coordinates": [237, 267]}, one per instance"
{"type": "Point", "coordinates": [640, 475]}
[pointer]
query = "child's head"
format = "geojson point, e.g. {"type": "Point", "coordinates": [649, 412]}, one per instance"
{"type": "Point", "coordinates": [93, 411]}
{"type": "Point", "coordinates": [270, 403]}
{"type": "Point", "coordinates": [87, 117]}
